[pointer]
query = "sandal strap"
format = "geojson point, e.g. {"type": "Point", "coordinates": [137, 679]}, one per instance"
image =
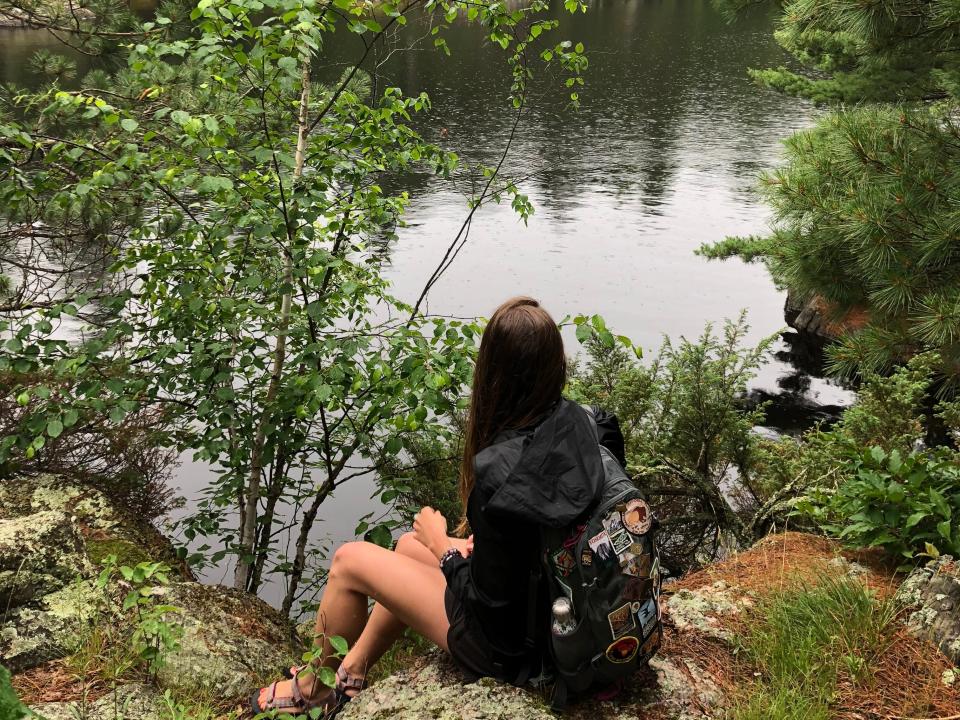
{"type": "Point", "coordinates": [345, 681]}
{"type": "Point", "coordinates": [284, 701]}
{"type": "Point", "coordinates": [297, 692]}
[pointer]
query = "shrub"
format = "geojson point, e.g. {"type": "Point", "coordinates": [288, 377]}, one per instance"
{"type": "Point", "coordinates": [688, 432]}
{"type": "Point", "coordinates": [905, 505]}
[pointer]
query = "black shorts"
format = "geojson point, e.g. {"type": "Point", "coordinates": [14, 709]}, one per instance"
{"type": "Point", "coordinates": [469, 650]}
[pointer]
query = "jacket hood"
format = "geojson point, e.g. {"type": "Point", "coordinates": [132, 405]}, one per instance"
{"type": "Point", "coordinates": [548, 476]}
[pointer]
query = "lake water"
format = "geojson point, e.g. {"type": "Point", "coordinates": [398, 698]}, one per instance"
{"type": "Point", "coordinates": [661, 157]}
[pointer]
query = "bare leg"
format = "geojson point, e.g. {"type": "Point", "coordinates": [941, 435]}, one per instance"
{"type": "Point", "coordinates": [406, 586]}
{"type": "Point", "coordinates": [384, 628]}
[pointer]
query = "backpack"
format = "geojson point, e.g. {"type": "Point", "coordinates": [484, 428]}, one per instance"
{"type": "Point", "coordinates": [609, 568]}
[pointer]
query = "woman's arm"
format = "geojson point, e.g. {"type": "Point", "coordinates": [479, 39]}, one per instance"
{"type": "Point", "coordinates": [430, 528]}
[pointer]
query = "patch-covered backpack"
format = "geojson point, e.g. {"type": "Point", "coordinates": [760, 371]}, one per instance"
{"type": "Point", "coordinates": [609, 569]}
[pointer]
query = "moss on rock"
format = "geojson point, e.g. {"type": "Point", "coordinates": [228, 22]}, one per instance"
{"type": "Point", "coordinates": [51, 629]}
{"type": "Point", "coordinates": [126, 552]}
{"type": "Point", "coordinates": [232, 642]}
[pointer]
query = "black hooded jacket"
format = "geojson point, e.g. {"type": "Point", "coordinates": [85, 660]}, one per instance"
{"type": "Point", "coordinates": [544, 477]}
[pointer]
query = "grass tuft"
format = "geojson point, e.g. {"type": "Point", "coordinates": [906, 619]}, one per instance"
{"type": "Point", "coordinates": [804, 640]}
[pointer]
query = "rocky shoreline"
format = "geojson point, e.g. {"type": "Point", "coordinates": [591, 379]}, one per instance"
{"type": "Point", "coordinates": [54, 535]}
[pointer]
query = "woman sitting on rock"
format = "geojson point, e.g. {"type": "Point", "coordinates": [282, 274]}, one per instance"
{"type": "Point", "coordinates": [522, 468]}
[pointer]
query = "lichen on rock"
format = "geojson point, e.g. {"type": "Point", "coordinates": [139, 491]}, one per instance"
{"type": "Point", "coordinates": [133, 702]}
{"type": "Point", "coordinates": [39, 553]}
{"type": "Point", "coordinates": [54, 535]}
{"type": "Point", "coordinates": [699, 609]}
{"type": "Point", "coordinates": [231, 643]}
{"type": "Point", "coordinates": [434, 689]}
{"type": "Point", "coordinates": [933, 594]}
{"type": "Point", "coordinates": [51, 628]}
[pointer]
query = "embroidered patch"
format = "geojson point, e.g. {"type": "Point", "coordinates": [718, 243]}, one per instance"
{"type": "Point", "coordinates": [638, 566]}
{"type": "Point", "coordinates": [621, 542]}
{"type": "Point", "coordinates": [650, 645]}
{"type": "Point", "coordinates": [586, 557]}
{"type": "Point", "coordinates": [613, 523]}
{"type": "Point", "coordinates": [637, 518]}
{"type": "Point", "coordinates": [563, 561]}
{"type": "Point", "coordinates": [647, 615]}
{"type": "Point", "coordinates": [622, 650]}
{"type": "Point", "coordinates": [600, 544]}
{"type": "Point", "coordinates": [637, 549]}
{"type": "Point", "coordinates": [621, 621]}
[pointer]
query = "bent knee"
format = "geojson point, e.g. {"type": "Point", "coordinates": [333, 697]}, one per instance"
{"type": "Point", "coordinates": [407, 544]}
{"type": "Point", "coordinates": [346, 559]}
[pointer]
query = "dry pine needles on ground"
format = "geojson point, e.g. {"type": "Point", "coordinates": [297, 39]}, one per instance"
{"type": "Point", "coordinates": [905, 682]}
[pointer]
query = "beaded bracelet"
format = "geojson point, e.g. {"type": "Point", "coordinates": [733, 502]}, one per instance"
{"type": "Point", "coordinates": [447, 555]}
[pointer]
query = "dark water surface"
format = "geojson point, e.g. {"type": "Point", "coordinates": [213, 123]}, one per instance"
{"type": "Point", "coordinates": [661, 157]}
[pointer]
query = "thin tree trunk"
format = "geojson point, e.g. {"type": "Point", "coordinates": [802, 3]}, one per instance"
{"type": "Point", "coordinates": [248, 516]}
{"type": "Point", "coordinates": [274, 491]}
{"type": "Point", "coordinates": [300, 558]}
{"type": "Point", "coordinates": [306, 524]}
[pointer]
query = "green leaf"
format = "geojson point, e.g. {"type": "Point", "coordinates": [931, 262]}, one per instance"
{"type": "Point", "coordinates": [940, 503]}
{"type": "Point", "coordinates": [327, 676]}
{"type": "Point", "coordinates": [584, 333]}
{"type": "Point", "coordinates": [339, 644]}
{"type": "Point", "coordinates": [129, 124]}
{"type": "Point", "coordinates": [381, 535]}
{"type": "Point", "coordinates": [944, 529]}
{"type": "Point", "coordinates": [54, 428]}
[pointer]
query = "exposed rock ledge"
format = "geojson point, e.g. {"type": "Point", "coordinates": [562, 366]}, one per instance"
{"type": "Point", "coordinates": [53, 534]}
{"type": "Point", "coordinates": [814, 319]}
{"type": "Point", "coordinates": [933, 593]}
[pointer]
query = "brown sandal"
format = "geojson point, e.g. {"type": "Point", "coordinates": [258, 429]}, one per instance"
{"type": "Point", "coordinates": [346, 682]}
{"type": "Point", "coordinates": [293, 703]}
{"type": "Point", "coordinates": [297, 704]}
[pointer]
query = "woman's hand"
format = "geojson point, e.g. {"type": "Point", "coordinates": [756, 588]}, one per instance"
{"type": "Point", "coordinates": [430, 528]}
{"type": "Point", "coordinates": [470, 546]}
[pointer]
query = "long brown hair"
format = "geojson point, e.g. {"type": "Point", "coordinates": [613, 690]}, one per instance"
{"type": "Point", "coordinates": [520, 372]}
